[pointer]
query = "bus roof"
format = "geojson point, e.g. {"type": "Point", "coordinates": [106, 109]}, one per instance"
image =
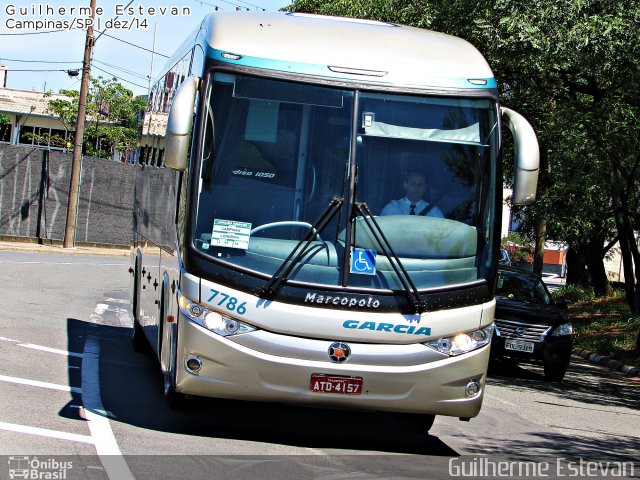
{"type": "Point", "coordinates": [346, 49]}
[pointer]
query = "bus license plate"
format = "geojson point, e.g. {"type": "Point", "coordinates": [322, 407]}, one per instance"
{"type": "Point", "coordinates": [333, 384]}
{"type": "Point", "coordinates": [519, 346]}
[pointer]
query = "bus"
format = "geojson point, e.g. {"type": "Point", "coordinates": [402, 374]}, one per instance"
{"type": "Point", "coordinates": [262, 266]}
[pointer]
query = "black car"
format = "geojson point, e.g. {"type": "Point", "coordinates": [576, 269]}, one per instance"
{"type": "Point", "coordinates": [530, 326]}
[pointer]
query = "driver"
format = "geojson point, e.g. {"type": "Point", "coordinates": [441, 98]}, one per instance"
{"type": "Point", "coordinates": [412, 204]}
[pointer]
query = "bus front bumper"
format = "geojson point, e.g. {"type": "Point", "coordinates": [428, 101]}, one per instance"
{"type": "Point", "coordinates": [231, 370]}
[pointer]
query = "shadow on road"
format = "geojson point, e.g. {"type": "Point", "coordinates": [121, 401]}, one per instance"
{"type": "Point", "coordinates": [586, 388]}
{"type": "Point", "coordinates": [130, 383]}
{"type": "Point", "coordinates": [589, 384]}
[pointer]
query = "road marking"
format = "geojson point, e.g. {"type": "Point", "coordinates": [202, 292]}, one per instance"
{"type": "Point", "coordinates": [50, 350]}
{"type": "Point", "coordinates": [66, 263]}
{"type": "Point", "coordinates": [121, 301]}
{"type": "Point", "coordinates": [97, 417]}
{"type": "Point", "coordinates": [121, 313]}
{"type": "Point", "coordinates": [45, 432]}
{"type": "Point", "coordinates": [36, 383]}
{"type": "Point", "coordinates": [101, 308]}
{"type": "Point", "coordinates": [41, 348]}
{"type": "Point", "coordinates": [104, 439]}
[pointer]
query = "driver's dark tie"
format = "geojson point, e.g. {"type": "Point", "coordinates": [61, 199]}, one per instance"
{"type": "Point", "coordinates": [413, 209]}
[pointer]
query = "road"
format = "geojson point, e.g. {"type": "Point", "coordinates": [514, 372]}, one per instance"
{"type": "Point", "coordinates": [71, 385]}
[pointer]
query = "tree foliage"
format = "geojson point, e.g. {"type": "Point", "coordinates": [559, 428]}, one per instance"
{"type": "Point", "coordinates": [112, 116]}
{"type": "Point", "coordinates": [572, 67]}
{"type": "Point", "coordinates": [114, 112]}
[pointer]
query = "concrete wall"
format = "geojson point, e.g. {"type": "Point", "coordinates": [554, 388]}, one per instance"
{"type": "Point", "coordinates": [34, 195]}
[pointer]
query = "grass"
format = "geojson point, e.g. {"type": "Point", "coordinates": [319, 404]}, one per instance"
{"type": "Point", "coordinates": [603, 325]}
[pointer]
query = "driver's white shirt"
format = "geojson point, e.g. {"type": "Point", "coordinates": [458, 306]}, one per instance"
{"type": "Point", "coordinates": [402, 206]}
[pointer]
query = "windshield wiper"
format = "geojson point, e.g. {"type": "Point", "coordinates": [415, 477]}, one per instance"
{"type": "Point", "coordinates": [413, 295]}
{"type": "Point", "coordinates": [268, 291]}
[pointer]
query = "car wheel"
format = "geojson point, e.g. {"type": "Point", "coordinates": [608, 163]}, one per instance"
{"type": "Point", "coordinates": [554, 372]}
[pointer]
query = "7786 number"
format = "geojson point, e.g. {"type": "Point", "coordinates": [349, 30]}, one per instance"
{"type": "Point", "coordinates": [229, 302]}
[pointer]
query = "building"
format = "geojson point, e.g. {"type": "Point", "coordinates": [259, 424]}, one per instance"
{"type": "Point", "coordinates": [30, 122]}
{"type": "Point", "coordinates": [613, 263]}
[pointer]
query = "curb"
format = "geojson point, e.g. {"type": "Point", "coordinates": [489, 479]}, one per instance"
{"type": "Point", "coordinates": [608, 362]}
{"type": "Point", "coordinates": [80, 248]}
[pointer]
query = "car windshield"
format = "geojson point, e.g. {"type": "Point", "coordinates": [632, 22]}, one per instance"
{"type": "Point", "coordinates": [522, 287]}
{"type": "Point", "coordinates": [276, 153]}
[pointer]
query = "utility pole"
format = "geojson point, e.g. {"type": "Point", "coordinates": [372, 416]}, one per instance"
{"type": "Point", "coordinates": [76, 167]}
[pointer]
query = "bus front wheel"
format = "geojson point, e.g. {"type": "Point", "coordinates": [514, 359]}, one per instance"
{"type": "Point", "coordinates": [175, 400]}
{"type": "Point", "coordinates": [415, 423]}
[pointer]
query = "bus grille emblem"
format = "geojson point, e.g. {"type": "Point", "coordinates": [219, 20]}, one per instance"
{"type": "Point", "coordinates": [339, 352]}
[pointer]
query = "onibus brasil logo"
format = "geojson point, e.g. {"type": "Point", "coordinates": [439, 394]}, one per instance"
{"type": "Point", "coordinates": [40, 469]}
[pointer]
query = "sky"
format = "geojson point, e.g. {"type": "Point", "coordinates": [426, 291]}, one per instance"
{"type": "Point", "coordinates": [23, 47]}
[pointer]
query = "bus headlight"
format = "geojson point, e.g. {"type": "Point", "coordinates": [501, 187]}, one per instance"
{"type": "Point", "coordinates": [214, 321]}
{"type": "Point", "coordinates": [462, 342]}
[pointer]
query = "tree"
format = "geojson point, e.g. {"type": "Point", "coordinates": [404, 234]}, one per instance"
{"type": "Point", "coordinates": [519, 248]}
{"type": "Point", "coordinates": [115, 117]}
{"type": "Point", "coordinates": [572, 68]}
{"type": "Point", "coordinates": [4, 132]}
{"type": "Point", "coordinates": [112, 113]}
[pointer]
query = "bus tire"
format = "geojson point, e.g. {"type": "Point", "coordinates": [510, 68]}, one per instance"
{"type": "Point", "coordinates": [175, 400]}
{"type": "Point", "coordinates": [138, 340]}
{"type": "Point", "coordinates": [416, 423]}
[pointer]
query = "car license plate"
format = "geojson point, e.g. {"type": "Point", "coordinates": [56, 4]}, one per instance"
{"type": "Point", "coordinates": [321, 383]}
{"type": "Point", "coordinates": [519, 346]}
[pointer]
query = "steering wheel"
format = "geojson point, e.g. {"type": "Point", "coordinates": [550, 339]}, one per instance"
{"type": "Point", "coordinates": [287, 223]}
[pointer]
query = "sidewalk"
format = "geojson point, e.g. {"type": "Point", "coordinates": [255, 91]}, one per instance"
{"type": "Point", "coordinates": [24, 245]}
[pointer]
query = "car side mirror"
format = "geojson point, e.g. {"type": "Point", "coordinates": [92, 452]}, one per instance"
{"type": "Point", "coordinates": [562, 304]}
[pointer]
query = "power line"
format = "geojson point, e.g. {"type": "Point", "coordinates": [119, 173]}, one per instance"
{"type": "Point", "coordinates": [119, 78]}
{"type": "Point", "coordinates": [132, 44]}
{"type": "Point", "coordinates": [33, 33]}
{"type": "Point", "coordinates": [36, 70]}
{"type": "Point", "coordinates": [33, 61]}
{"type": "Point", "coordinates": [129, 72]}
{"type": "Point", "coordinates": [201, 2]}
{"type": "Point", "coordinates": [251, 5]}
{"type": "Point", "coordinates": [231, 3]}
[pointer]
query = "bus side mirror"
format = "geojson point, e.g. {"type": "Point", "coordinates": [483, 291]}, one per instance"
{"type": "Point", "coordinates": [527, 157]}
{"type": "Point", "coordinates": [179, 124]}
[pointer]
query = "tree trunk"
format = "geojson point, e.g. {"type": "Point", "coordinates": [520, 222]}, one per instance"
{"type": "Point", "coordinates": [630, 255]}
{"type": "Point", "coordinates": [576, 267]}
{"type": "Point", "coordinates": [541, 235]}
{"type": "Point", "coordinates": [595, 265]}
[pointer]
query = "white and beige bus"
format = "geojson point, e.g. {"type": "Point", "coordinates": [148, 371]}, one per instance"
{"type": "Point", "coordinates": [263, 265]}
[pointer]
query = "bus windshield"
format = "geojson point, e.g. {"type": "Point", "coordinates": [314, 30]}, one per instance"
{"type": "Point", "coordinates": [276, 153]}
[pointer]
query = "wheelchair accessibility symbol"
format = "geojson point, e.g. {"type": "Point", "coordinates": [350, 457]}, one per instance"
{"type": "Point", "coordinates": [363, 261]}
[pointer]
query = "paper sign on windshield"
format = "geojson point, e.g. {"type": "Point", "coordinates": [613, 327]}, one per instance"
{"type": "Point", "coordinates": [231, 234]}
